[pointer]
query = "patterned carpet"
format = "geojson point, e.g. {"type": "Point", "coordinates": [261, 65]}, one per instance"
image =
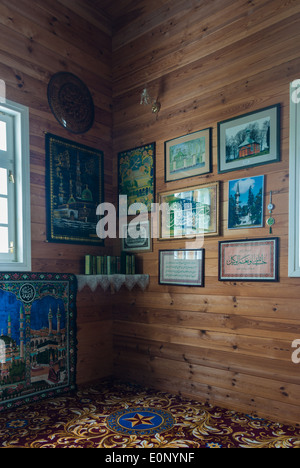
{"type": "Point", "coordinates": [117, 415]}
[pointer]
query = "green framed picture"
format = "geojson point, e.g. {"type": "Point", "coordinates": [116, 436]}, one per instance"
{"type": "Point", "coordinates": [74, 189]}
{"type": "Point", "coordinates": [188, 156]}
{"type": "Point", "coordinates": [136, 169]}
{"type": "Point", "coordinates": [191, 212]}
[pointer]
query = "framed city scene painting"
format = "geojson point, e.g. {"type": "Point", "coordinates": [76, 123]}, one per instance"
{"type": "Point", "coordinates": [189, 212]}
{"type": "Point", "coordinates": [74, 183]}
{"type": "Point", "coordinates": [182, 267]}
{"type": "Point", "coordinates": [136, 175]}
{"type": "Point", "coordinates": [249, 140]}
{"type": "Point", "coordinates": [248, 260]}
{"type": "Point", "coordinates": [188, 156]}
{"type": "Point", "coordinates": [246, 202]}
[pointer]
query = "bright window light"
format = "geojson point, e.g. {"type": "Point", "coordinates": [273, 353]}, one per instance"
{"type": "Point", "coordinates": [3, 138]}
{"type": "Point", "coordinates": [3, 211]}
{"type": "Point", "coordinates": [4, 240]}
{"type": "Point", "coordinates": [3, 181]}
{"type": "Point", "coordinates": [2, 91]}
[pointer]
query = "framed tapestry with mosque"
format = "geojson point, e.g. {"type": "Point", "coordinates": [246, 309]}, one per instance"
{"type": "Point", "coordinates": [74, 189]}
{"type": "Point", "coordinates": [38, 343]}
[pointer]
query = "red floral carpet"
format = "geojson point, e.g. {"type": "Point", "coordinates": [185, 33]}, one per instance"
{"type": "Point", "coordinates": [117, 415]}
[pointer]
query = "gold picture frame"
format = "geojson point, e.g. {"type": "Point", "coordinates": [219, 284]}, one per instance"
{"type": "Point", "coordinates": [189, 212]}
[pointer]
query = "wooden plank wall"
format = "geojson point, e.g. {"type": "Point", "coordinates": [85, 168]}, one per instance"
{"type": "Point", "coordinates": [230, 342]}
{"type": "Point", "coordinates": [38, 39]}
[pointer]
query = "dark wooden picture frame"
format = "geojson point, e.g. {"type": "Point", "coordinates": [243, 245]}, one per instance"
{"type": "Point", "coordinates": [184, 267]}
{"type": "Point", "coordinates": [246, 202]}
{"type": "Point", "coordinates": [74, 189]}
{"type": "Point", "coordinates": [249, 260]}
{"type": "Point", "coordinates": [249, 140]}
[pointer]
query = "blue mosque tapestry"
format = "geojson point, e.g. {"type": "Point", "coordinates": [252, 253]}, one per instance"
{"type": "Point", "coordinates": [37, 336]}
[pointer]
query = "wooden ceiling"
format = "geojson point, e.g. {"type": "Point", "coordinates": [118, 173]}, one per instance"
{"type": "Point", "coordinates": [109, 15]}
{"type": "Point", "coordinates": [123, 12]}
{"type": "Point", "coordinates": [116, 16]}
{"type": "Point", "coordinates": [117, 9]}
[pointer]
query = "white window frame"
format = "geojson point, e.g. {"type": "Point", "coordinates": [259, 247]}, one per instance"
{"type": "Point", "coordinates": [7, 162]}
{"type": "Point", "coordinates": [294, 189]}
{"type": "Point", "coordinates": [22, 257]}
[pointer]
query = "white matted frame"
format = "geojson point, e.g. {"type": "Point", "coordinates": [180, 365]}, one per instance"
{"type": "Point", "coordinates": [183, 267]}
{"type": "Point", "coordinates": [294, 190]}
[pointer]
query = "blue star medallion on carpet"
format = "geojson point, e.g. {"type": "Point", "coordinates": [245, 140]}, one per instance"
{"type": "Point", "coordinates": [142, 420]}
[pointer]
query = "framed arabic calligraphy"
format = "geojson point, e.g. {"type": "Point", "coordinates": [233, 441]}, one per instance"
{"type": "Point", "coordinates": [249, 260]}
{"type": "Point", "coordinates": [182, 267]}
{"type": "Point", "coordinates": [189, 212]}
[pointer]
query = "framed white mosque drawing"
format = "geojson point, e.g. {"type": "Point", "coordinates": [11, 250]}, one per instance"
{"type": "Point", "coordinates": [188, 155]}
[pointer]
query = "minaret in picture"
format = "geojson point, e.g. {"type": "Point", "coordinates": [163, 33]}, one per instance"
{"type": "Point", "coordinates": [9, 326]}
{"type": "Point", "coordinates": [50, 317]}
{"type": "Point", "coordinates": [21, 333]}
{"type": "Point", "coordinates": [237, 198]}
{"type": "Point", "coordinates": [58, 321]}
{"type": "Point", "coordinates": [78, 178]}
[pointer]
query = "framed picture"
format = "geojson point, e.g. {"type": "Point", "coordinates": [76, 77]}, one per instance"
{"type": "Point", "coordinates": [190, 212]}
{"type": "Point", "coordinates": [74, 189]}
{"type": "Point", "coordinates": [246, 202]}
{"type": "Point", "coordinates": [248, 260]}
{"type": "Point", "coordinates": [136, 171]}
{"type": "Point", "coordinates": [38, 337]}
{"type": "Point", "coordinates": [249, 140]}
{"type": "Point", "coordinates": [181, 267]}
{"type": "Point", "coordinates": [136, 237]}
{"type": "Point", "coordinates": [188, 156]}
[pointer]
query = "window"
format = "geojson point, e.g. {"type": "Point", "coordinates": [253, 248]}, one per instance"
{"type": "Point", "coordinates": [15, 242]}
{"type": "Point", "coordinates": [2, 91]}
{"type": "Point", "coordinates": [294, 191]}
